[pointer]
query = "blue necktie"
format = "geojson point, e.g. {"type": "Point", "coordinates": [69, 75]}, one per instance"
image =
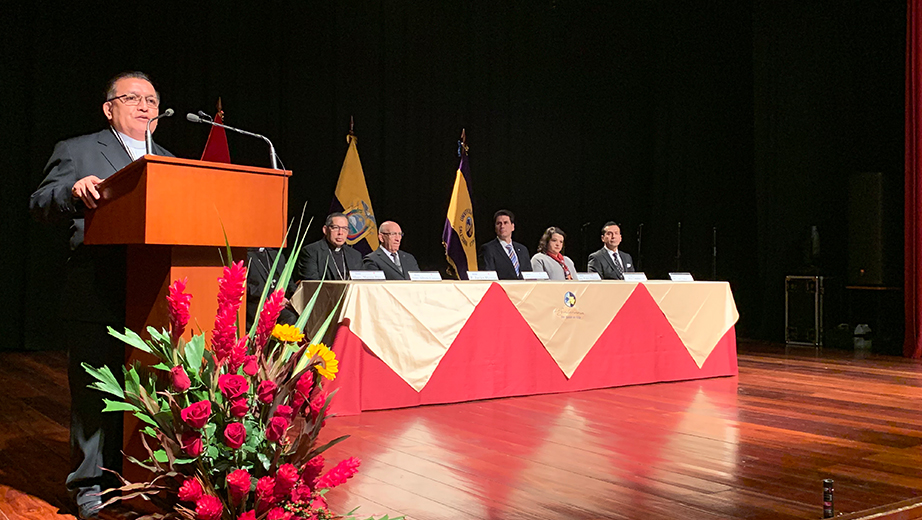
{"type": "Point", "coordinates": [510, 250]}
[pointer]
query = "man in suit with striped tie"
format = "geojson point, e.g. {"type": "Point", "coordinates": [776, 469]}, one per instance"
{"type": "Point", "coordinates": [502, 255]}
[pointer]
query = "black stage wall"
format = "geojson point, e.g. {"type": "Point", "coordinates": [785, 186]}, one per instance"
{"type": "Point", "coordinates": [741, 116]}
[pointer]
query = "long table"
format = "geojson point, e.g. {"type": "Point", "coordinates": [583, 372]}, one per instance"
{"type": "Point", "coordinates": [402, 344]}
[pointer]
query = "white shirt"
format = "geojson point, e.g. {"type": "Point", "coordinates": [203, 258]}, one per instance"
{"type": "Point", "coordinates": [136, 149]}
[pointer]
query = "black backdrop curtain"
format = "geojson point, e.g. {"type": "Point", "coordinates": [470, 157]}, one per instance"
{"type": "Point", "coordinates": [734, 115]}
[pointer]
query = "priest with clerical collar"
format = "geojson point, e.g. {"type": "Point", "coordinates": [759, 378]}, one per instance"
{"type": "Point", "coordinates": [329, 258]}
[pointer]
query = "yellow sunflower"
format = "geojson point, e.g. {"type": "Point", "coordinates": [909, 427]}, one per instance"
{"type": "Point", "coordinates": [330, 365]}
{"type": "Point", "coordinates": [287, 333]}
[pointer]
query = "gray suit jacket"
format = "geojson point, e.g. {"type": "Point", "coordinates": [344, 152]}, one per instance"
{"type": "Point", "coordinates": [94, 284]}
{"type": "Point", "coordinates": [315, 261]}
{"type": "Point", "coordinates": [542, 262]}
{"type": "Point", "coordinates": [601, 262]}
{"type": "Point", "coordinates": [379, 260]}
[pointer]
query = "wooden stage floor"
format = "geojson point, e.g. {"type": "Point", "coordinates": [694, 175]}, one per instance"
{"type": "Point", "coordinates": [748, 447]}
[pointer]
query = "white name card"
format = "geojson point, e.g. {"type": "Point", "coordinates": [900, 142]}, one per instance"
{"type": "Point", "coordinates": [588, 277]}
{"type": "Point", "coordinates": [425, 276]}
{"type": "Point", "coordinates": [681, 277]}
{"type": "Point", "coordinates": [482, 276]}
{"type": "Point", "coordinates": [366, 275]}
{"type": "Point", "coordinates": [635, 277]}
{"type": "Point", "coordinates": [534, 275]}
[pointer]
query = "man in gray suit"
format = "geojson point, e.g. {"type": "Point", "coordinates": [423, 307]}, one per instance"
{"type": "Point", "coordinates": [93, 293]}
{"type": "Point", "coordinates": [329, 258]}
{"type": "Point", "coordinates": [609, 262]}
{"type": "Point", "coordinates": [395, 263]}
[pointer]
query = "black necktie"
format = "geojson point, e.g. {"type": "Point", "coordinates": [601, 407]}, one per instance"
{"type": "Point", "coordinates": [619, 272]}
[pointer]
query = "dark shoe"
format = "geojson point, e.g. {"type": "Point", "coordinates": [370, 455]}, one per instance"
{"type": "Point", "coordinates": [89, 510]}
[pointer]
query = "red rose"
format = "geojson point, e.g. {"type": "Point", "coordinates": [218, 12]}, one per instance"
{"type": "Point", "coordinates": [209, 508]}
{"type": "Point", "coordinates": [239, 407]}
{"type": "Point", "coordinates": [279, 514]}
{"type": "Point", "coordinates": [250, 366]}
{"type": "Point", "coordinates": [233, 385]}
{"type": "Point", "coordinates": [191, 443]}
{"type": "Point", "coordinates": [238, 483]}
{"type": "Point", "coordinates": [190, 490]}
{"type": "Point", "coordinates": [285, 479]}
{"type": "Point", "coordinates": [285, 411]}
{"type": "Point", "coordinates": [266, 391]}
{"type": "Point", "coordinates": [196, 414]}
{"type": "Point", "coordinates": [249, 515]}
{"type": "Point", "coordinates": [234, 435]}
{"type": "Point", "coordinates": [276, 428]}
{"type": "Point", "coordinates": [181, 381]}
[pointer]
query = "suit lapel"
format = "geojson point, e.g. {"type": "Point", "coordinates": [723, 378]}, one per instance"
{"type": "Point", "coordinates": [112, 151]}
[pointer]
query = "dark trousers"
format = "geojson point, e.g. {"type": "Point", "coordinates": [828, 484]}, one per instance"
{"type": "Point", "coordinates": [95, 436]}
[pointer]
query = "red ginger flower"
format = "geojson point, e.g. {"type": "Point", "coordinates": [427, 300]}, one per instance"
{"type": "Point", "coordinates": [238, 355]}
{"type": "Point", "coordinates": [339, 474]}
{"type": "Point", "coordinates": [179, 303]}
{"type": "Point", "coordinates": [249, 515]}
{"type": "Point", "coordinates": [265, 496]}
{"type": "Point", "coordinates": [311, 470]}
{"type": "Point", "coordinates": [238, 483]}
{"type": "Point", "coordinates": [268, 317]}
{"type": "Point", "coordinates": [279, 514]}
{"type": "Point", "coordinates": [209, 508]}
{"type": "Point", "coordinates": [250, 366]}
{"type": "Point", "coordinates": [190, 490]}
{"type": "Point", "coordinates": [285, 479]}
{"type": "Point", "coordinates": [283, 410]}
{"type": "Point", "coordinates": [230, 291]}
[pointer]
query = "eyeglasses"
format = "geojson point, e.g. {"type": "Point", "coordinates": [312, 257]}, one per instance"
{"type": "Point", "coordinates": [392, 234]}
{"type": "Point", "coordinates": [134, 99]}
{"type": "Point", "coordinates": [338, 228]}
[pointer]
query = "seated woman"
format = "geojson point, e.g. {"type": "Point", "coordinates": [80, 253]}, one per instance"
{"type": "Point", "coordinates": [549, 257]}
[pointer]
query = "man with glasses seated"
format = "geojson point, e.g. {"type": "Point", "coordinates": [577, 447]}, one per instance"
{"type": "Point", "coordinates": [329, 258]}
{"type": "Point", "coordinates": [395, 263]}
{"type": "Point", "coordinates": [93, 294]}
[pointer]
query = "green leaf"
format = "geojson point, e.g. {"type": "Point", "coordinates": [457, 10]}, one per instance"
{"type": "Point", "coordinates": [105, 380]}
{"type": "Point", "coordinates": [162, 366]}
{"type": "Point", "coordinates": [130, 337]}
{"type": "Point", "coordinates": [325, 447]}
{"type": "Point", "coordinates": [194, 351]}
{"type": "Point", "coordinates": [212, 452]}
{"type": "Point", "coordinates": [264, 459]}
{"type": "Point", "coordinates": [160, 456]}
{"type": "Point", "coordinates": [146, 418]}
{"type": "Point", "coordinates": [117, 406]}
{"type": "Point", "coordinates": [150, 432]}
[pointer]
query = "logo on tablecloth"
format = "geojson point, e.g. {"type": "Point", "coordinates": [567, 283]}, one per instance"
{"type": "Point", "coordinates": [569, 299]}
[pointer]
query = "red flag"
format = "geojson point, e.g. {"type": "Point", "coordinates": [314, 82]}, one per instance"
{"type": "Point", "coordinates": [216, 147]}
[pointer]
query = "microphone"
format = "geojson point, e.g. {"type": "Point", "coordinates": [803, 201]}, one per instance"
{"type": "Point", "coordinates": [148, 140]}
{"type": "Point", "coordinates": [205, 118]}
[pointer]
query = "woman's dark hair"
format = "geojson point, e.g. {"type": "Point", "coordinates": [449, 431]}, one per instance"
{"type": "Point", "coordinates": [546, 237]}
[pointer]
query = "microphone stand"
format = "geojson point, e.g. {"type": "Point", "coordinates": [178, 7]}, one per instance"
{"type": "Point", "coordinates": [205, 118]}
{"type": "Point", "coordinates": [639, 262]}
{"type": "Point", "coordinates": [714, 257]}
{"type": "Point", "coordinates": [678, 250]}
{"type": "Point", "coordinates": [148, 138]}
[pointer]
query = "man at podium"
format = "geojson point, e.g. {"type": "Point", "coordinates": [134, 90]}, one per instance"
{"type": "Point", "coordinates": [93, 294]}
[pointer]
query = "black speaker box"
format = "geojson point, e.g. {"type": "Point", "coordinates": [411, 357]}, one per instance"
{"type": "Point", "coordinates": [874, 252]}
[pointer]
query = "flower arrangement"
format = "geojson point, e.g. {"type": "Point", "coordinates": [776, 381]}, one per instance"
{"type": "Point", "coordinates": [231, 431]}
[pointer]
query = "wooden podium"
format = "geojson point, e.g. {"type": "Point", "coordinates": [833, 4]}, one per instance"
{"type": "Point", "coordinates": [169, 213]}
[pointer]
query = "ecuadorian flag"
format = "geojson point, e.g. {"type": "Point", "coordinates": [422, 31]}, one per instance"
{"type": "Point", "coordinates": [351, 198]}
{"type": "Point", "coordinates": [458, 233]}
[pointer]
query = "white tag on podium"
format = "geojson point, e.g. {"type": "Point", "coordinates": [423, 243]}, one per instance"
{"type": "Point", "coordinates": [591, 276]}
{"type": "Point", "coordinates": [425, 276]}
{"type": "Point", "coordinates": [534, 275]}
{"type": "Point", "coordinates": [483, 276]}
{"type": "Point", "coordinates": [366, 275]}
{"type": "Point", "coordinates": [635, 277]}
{"type": "Point", "coordinates": [681, 277]}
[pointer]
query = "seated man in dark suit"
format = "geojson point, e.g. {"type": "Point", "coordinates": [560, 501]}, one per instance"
{"type": "Point", "coordinates": [329, 258]}
{"type": "Point", "coordinates": [94, 286]}
{"type": "Point", "coordinates": [609, 262]}
{"type": "Point", "coordinates": [395, 263]}
{"type": "Point", "coordinates": [503, 255]}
